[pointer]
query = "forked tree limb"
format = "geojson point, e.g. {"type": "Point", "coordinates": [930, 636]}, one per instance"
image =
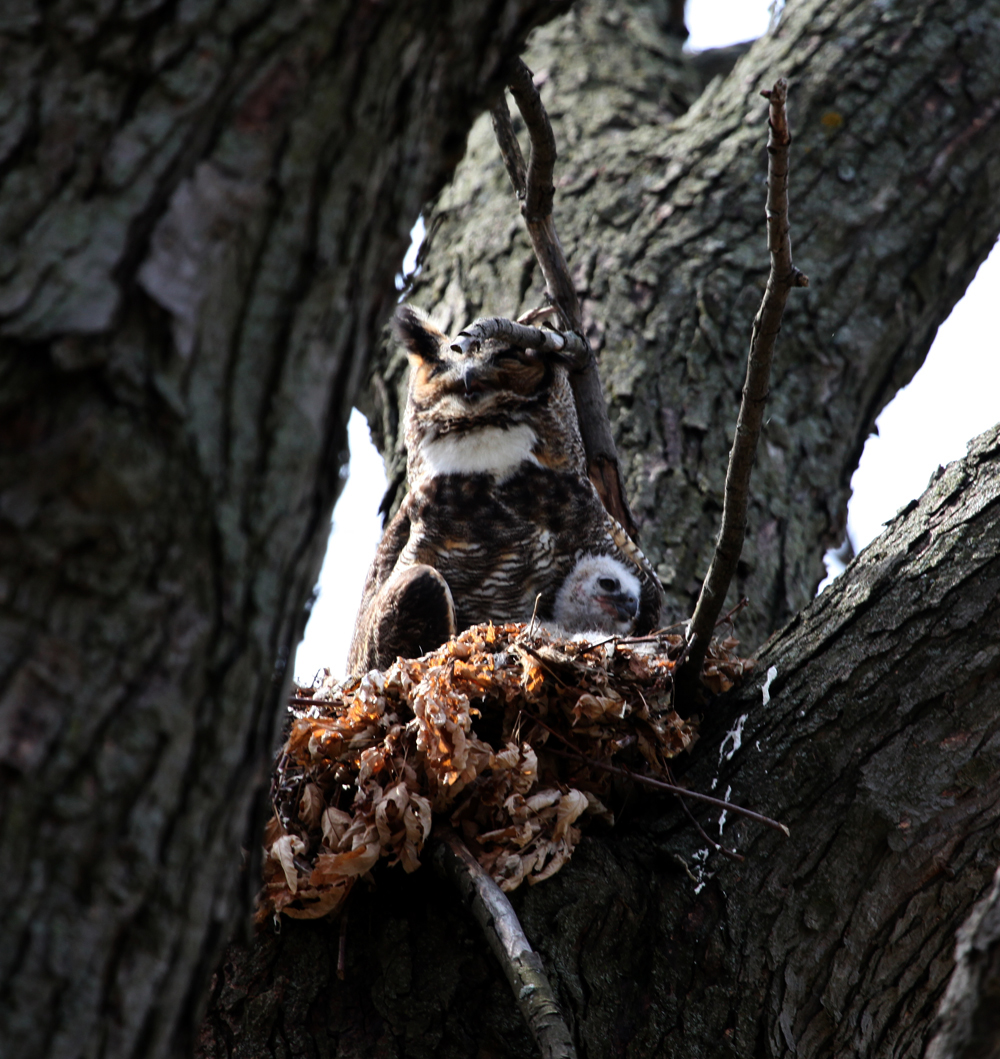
{"type": "Point", "coordinates": [510, 149]}
{"type": "Point", "coordinates": [767, 323]}
{"type": "Point", "coordinates": [535, 190]}
{"type": "Point", "coordinates": [521, 964]}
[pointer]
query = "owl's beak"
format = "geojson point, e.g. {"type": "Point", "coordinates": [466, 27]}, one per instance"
{"type": "Point", "coordinates": [623, 604]}
{"type": "Point", "coordinates": [471, 381]}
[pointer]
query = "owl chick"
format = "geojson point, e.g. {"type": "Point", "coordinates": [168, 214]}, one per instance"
{"type": "Point", "coordinates": [499, 506]}
{"type": "Point", "coordinates": [600, 595]}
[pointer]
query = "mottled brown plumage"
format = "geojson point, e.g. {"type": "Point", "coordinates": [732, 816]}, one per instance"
{"type": "Point", "coordinates": [499, 502]}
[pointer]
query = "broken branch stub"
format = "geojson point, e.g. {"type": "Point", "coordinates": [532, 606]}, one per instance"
{"type": "Point", "coordinates": [567, 345]}
{"type": "Point", "coordinates": [782, 278]}
{"type": "Point", "coordinates": [535, 191]}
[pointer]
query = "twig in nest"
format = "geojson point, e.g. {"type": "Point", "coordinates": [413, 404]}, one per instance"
{"type": "Point", "coordinates": [662, 785]}
{"type": "Point", "coordinates": [342, 947]}
{"type": "Point", "coordinates": [535, 191]}
{"type": "Point", "coordinates": [534, 614]}
{"type": "Point", "coordinates": [728, 853]}
{"type": "Point", "coordinates": [541, 661]}
{"type": "Point", "coordinates": [521, 965]}
{"type": "Point", "coordinates": [782, 278]}
{"type": "Point", "coordinates": [649, 781]}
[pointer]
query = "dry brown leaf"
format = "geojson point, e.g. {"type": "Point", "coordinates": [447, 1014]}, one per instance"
{"type": "Point", "coordinates": [362, 771]}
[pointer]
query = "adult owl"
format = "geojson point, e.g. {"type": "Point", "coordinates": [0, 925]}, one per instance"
{"type": "Point", "coordinates": [499, 508]}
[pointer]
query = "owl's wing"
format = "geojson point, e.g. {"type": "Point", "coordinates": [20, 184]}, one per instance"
{"type": "Point", "coordinates": [392, 542]}
{"type": "Point", "coordinates": [651, 590]}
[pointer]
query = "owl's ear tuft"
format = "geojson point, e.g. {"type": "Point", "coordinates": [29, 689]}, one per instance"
{"type": "Point", "coordinates": [418, 335]}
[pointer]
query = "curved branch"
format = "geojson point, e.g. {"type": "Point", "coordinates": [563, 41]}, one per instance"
{"type": "Point", "coordinates": [535, 191]}
{"type": "Point", "coordinates": [782, 278]}
{"type": "Point", "coordinates": [521, 965]}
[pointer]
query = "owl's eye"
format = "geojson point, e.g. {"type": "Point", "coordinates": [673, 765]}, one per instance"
{"type": "Point", "coordinates": [609, 584]}
{"type": "Point", "coordinates": [522, 356]}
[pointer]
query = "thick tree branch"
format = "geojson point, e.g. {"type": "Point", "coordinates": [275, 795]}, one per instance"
{"type": "Point", "coordinates": [968, 1020]}
{"type": "Point", "coordinates": [897, 204]}
{"type": "Point", "coordinates": [506, 938]}
{"type": "Point", "coordinates": [782, 278]}
{"type": "Point", "coordinates": [873, 731]}
{"type": "Point", "coordinates": [535, 190]}
{"type": "Point", "coordinates": [198, 254]}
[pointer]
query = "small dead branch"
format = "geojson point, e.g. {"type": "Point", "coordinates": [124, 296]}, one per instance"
{"type": "Point", "coordinates": [568, 345]}
{"type": "Point", "coordinates": [521, 964]}
{"type": "Point", "coordinates": [730, 614]}
{"type": "Point", "coordinates": [535, 191]}
{"type": "Point", "coordinates": [729, 854]}
{"type": "Point", "coordinates": [342, 948]}
{"type": "Point", "coordinates": [573, 753]}
{"type": "Point", "coordinates": [782, 278]}
{"type": "Point", "coordinates": [682, 792]}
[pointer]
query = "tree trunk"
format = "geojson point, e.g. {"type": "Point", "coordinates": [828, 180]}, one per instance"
{"type": "Point", "coordinates": [202, 207]}
{"type": "Point", "coordinates": [876, 741]}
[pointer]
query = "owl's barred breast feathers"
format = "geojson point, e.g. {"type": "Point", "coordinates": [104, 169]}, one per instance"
{"type": "Point", "coordinates": [499, 507]}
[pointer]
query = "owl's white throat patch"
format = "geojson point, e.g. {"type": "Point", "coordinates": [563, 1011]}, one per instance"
{"type": "Point", "coordinates": [488, 450]}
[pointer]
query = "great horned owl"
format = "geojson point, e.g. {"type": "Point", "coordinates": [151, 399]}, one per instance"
{"type": "Point", "coordinates": [600, 595]}
{"type": "Point", "coordinates": [499, 508]}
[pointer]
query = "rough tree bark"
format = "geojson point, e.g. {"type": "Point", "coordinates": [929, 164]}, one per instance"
{"type": "Point", "coordinates": [202, 207]}
{"type": "Point", "coordinates": [872, 729]}
{"type": "Point", "coordinates": [198, 243]}
{"type": "Point", "coordinates": [877, 739]}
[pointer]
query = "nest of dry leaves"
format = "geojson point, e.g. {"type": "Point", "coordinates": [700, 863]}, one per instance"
{"type": "Point", "coordinates": [506, 732]}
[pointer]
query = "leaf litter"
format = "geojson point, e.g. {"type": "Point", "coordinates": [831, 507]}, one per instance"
{"type": "Point", "coordinates": [501, 732]}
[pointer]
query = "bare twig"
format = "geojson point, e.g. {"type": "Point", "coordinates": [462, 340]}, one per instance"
{"type": "Point", "coordinates": [342, 948]}
{"type": "Point", "coordinates": [728, 853]}
{"type": "Point", "coordinates": [532, 316]}
{"type": "Point", "coordinates": [538, 194]}
{"type": "Point", "coordinates": [649, 781]}
{"type": "Point", "coordinates": [521, 965]}
{"type": "Point", "coordinates": [510, 149]}
{"type": "Point", "coordinates": [662, 785]}
{"type": "Point", "coordinates": [534, 613]}
{"type": "Point", "coordinates": [534, 189]}
{"type": "Point", "coordinates": [730, 614]}
{"type": "Point", "coordinates": [782, 278]}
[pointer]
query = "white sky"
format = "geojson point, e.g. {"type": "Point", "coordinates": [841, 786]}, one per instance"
{"type": "Point", "coordinates": [954, 397]}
